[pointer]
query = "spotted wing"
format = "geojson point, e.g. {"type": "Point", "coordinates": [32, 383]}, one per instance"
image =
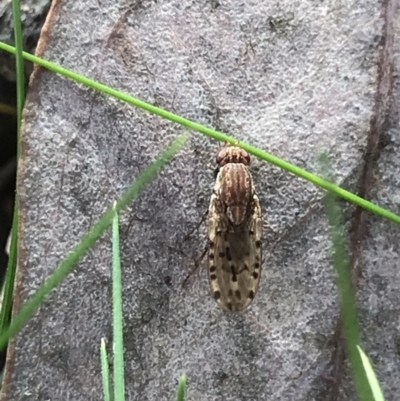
{"type": "Point", "coordinates": [235, 255]}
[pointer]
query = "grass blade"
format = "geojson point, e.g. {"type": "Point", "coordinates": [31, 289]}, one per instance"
{"type": "Point", "coordinates": [119, 385]}
{"type": "Point", "coordinates": [340, 262]}
{"type": "Point", "coordinates": [180, 393]}
{"type": "Point", "coordinates": [89, 238]}
{"type": "Point", "coordinates": [5, 313]}
{"type": "Point", "coordinates": [291, 168]}
{"type": "Point", "coordinates": [105, 372]}
{"type": "Point", "coordinates": [372, 379]}
{"type": "Point", "coordinates": [19, 62]}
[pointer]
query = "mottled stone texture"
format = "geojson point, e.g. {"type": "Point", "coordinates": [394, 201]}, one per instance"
{"type": "Point", "coordinates": [293, 77]}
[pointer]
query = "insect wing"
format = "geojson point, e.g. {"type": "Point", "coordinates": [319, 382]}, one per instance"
{"type": "Point", "coordinates": [235, 252]}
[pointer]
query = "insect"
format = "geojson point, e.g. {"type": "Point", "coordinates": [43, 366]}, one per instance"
{"type": "Point", "coordinates": [234, 232]}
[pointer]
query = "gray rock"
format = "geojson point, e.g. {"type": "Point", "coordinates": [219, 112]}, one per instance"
{"type": "Point", "coordinates": [295, 79]}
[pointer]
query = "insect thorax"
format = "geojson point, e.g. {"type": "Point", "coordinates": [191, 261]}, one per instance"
{"type": "Point", "coordinates": [236, 192]}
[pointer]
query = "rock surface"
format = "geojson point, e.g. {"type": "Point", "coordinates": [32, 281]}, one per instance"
{"type": "Point", "coordinates": [293, 78]}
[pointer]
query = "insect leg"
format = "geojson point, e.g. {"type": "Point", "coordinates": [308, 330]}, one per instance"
{"type": "Point", "coordinates": [196, 265]}
{"type": "Point", "coordinates": [203, 218]}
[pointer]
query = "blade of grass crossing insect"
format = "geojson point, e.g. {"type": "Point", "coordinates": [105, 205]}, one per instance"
{"type": "Point", "coordinates": [119, 385]}
{"type": "Point", "coordinates": [5, 312]}
{"type": "Point", "coordinates": [340, 262]}
{"type": "Point", "coordinates": [90, 237]}
{"type": "Point", "coordinates": [220, 136]}
{"type": "Point", "coordinates": [180, 393]}
{"type": "Point", "coordinates": [105, 372]}
{"type": "Point", "coordinates": [371, 376]}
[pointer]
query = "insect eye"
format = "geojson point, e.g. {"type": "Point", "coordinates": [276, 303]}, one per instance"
{"type": "Point", "coordinates": [244, 157]}
{"type": "Point", "coordinates": [219, 159]}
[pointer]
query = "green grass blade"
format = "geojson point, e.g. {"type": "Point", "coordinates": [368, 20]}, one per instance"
{"type": "Point", "coordinates": [347, 304]}
{"type": "Point", "coordinates": [119, 385]}
{"type": "Point", "coordinates": [5, 313]}
{"type": "Point", "coordinates": [105, 372]}
{"type": "Point", "coordinates": [6, 305]}
{"type": "Point", "coordinates": [372, 379]}
{"type": "Point", "coordinates": [89, 238]}
{"type": "Point", "coordinates": [329, 186]}
{"type": "Point", "coordinates": [180, 393]}
{"type": "Point", "coordinates": [19, 62]}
